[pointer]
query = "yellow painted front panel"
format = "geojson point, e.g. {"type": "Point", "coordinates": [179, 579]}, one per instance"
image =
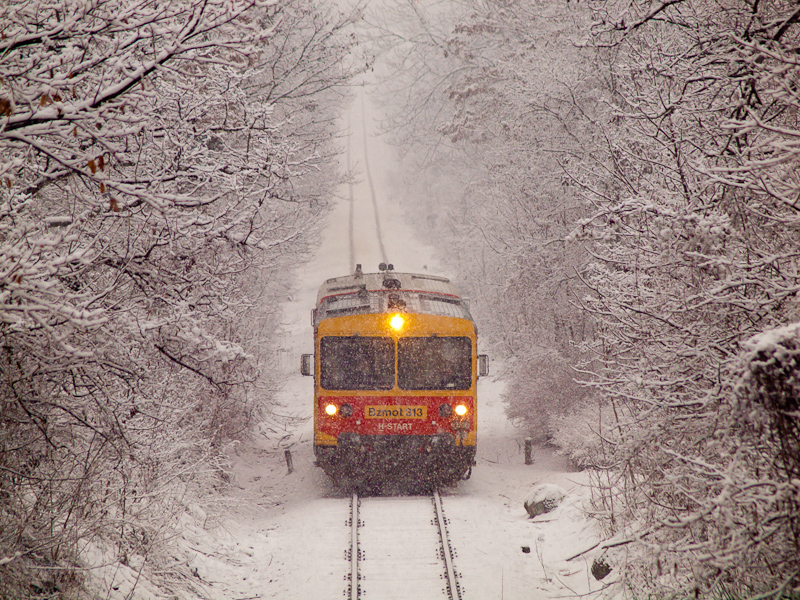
{"type": "Point", "coordinates": [414, 325]}
{"type": "Point", "coordinates": [379, 324]}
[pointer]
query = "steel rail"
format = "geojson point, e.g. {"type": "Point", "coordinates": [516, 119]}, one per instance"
{"type": "Point", "coordinates": [453, 588]}
{"type": "Point", "coordinates": [454, 591]}
{"type": "Point", "coordinates": [354, 554]}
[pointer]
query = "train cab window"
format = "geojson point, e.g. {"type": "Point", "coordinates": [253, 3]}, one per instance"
{"type": "Point", "coordinates": [356, 363]}
{"type": "Point", "coordinates": [434, 363]}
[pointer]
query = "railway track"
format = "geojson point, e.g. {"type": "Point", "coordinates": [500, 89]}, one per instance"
{"type": "Point", "coordinates": [400, 549]}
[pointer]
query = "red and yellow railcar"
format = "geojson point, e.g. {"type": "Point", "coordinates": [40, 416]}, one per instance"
{"type": "Point", "coordinates": [395, 368]}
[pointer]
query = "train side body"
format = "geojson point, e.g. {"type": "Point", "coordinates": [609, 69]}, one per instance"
{"type": "Point", "coordinates": [395, 377]}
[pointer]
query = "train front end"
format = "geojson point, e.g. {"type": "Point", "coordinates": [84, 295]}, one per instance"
{"type": "Point", "coordinates": [395, 374]}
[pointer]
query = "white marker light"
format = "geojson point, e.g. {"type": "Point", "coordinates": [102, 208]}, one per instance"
{"type": "Point", "coordinates": [461, 410]}
{"type": "Point", "coordinates": [331, 409]}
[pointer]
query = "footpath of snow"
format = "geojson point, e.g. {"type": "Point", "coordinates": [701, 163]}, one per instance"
{"type": "Point", "coordinates": [284, 535]}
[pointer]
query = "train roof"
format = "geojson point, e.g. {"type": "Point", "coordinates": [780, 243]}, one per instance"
{"type": "Point", "coordinates": [388, 291]}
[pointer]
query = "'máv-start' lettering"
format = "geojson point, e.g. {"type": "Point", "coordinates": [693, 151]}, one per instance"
{"type": "Point", "coordinates": [395, 427]}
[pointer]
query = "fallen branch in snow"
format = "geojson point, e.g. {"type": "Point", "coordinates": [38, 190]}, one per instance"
{"type": "Point", "coordinates": [607, 544]}
{"type": "Point", "coordinates": [604, 546]}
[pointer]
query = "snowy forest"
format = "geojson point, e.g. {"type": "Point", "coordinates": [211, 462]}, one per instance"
{"type": "Point", "coordinates": [616, 182]}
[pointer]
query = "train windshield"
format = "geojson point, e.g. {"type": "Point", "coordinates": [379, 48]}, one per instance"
{"type": "Point", "coordinates": [357, 363]}
{"type": "Point", "coordinates": [434, 363]}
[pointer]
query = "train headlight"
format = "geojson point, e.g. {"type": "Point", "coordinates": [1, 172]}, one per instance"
{"type": "Point", "coordinates": [445, 410]}
{"type": "Point", "coordinates": [397, 322]}
{"type": "Point", "coordinates": [331, 409]}
{"type": "Point", "coordinates": [346, 410]}
{"type": "Point", "coordinates": [461, 409]}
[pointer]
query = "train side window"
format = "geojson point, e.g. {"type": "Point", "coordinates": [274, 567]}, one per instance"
{"type": "Point", "coordinates": [434, 363]}
{"type": "Point", "coordinates": [356, 363]}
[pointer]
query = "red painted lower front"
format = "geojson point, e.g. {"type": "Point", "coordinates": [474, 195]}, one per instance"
{"type": "Point", "coordinates": [394, 415]}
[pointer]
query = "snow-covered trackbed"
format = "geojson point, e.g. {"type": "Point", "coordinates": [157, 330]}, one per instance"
{"type": "Point", "coordinates": [400, 549]}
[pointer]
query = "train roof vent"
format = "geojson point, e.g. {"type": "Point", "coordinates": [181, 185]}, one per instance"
{"type": "Point", "coordinates": [391, 283]}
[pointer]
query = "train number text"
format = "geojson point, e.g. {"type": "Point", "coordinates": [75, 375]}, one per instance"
{"type": "Point", "coordinates": [396, 412]}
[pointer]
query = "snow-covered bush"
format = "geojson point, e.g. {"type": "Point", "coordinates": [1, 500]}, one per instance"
{"type": "Point", "coordinates": [542, 391]}
{"type": "Point", "coordinates": [769, 405]}
{"type": "Point", "coordinates": [583, 430]}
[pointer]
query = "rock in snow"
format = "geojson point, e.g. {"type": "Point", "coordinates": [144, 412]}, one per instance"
{"type": "Point", "coordinates": [543, 498]}
{"type": "Point", "coordinates": [600, 568]}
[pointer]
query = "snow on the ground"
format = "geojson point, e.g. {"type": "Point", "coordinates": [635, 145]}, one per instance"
{"type": "Point", "coordinates": [285, 535]}
{"type": "Point", "coordinates": [502, 553]}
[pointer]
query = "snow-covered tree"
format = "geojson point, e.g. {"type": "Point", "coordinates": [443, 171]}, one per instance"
{"type": "Point", "coordinates": [510, 97]}
{"type": "Point", "coordinates": [161, 164]}
{"type": "Point", "coordinates": [695, 251]}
